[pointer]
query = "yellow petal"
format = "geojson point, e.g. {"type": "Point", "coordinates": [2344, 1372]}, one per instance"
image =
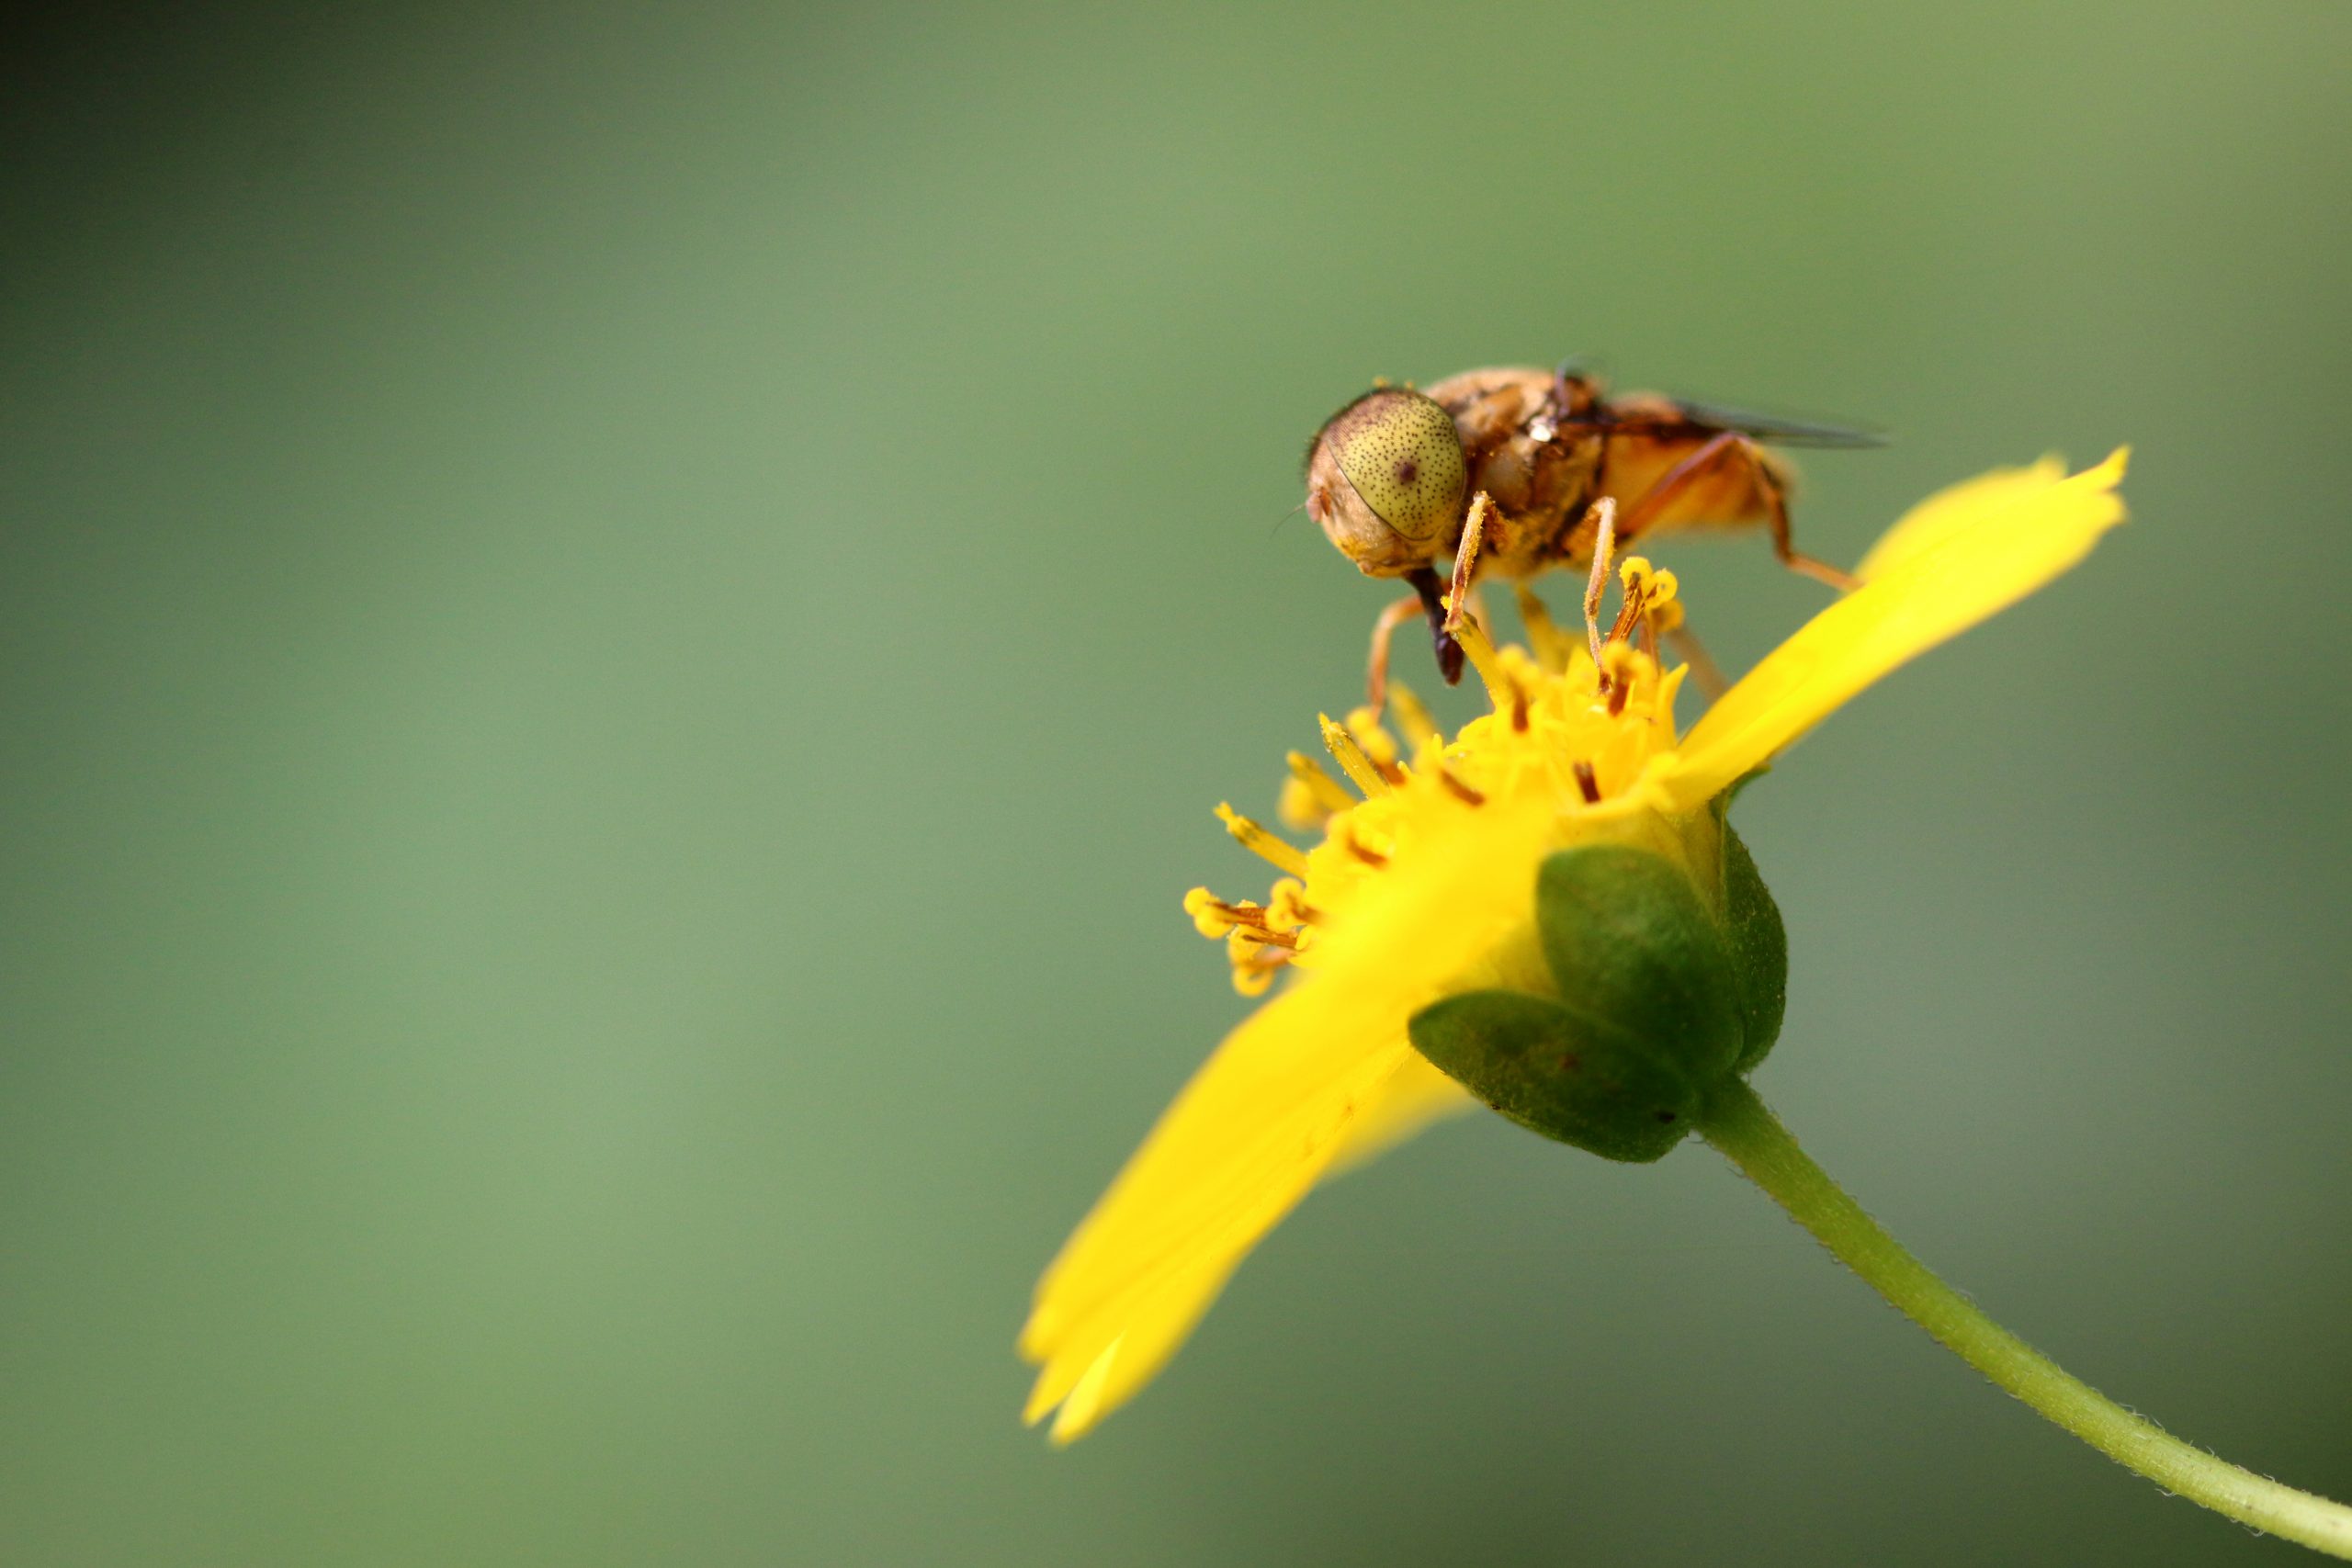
{"type": "Point", "coordinates": [1235, 1153]}
{"type": "Point", "coordinates": [1266, 1116]}
{"type": "Point", "coordinates": [1950, 512]}
{"type": "Point", "coordinates": [1957, 559]}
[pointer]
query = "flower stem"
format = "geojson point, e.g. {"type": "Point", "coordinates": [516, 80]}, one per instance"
{"type": "Point", "coordinates": [1752, 1138]}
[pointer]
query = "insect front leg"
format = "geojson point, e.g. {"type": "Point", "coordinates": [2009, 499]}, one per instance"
{"type": "Point", "coordinates": [1465, 560]}
{"type": "Point", "coordinates": [1376, 683]}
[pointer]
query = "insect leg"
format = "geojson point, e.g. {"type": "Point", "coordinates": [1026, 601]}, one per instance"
{"type": "Point", "coordinates": [1465, 559]}
{"type": "Point", "coordinates": [1605, 542]}
{"type": "Point", "coordinates": [1375, 682]}
{"type": "Point", "coordinates": [1819, 571]}
{"type": "Point", "coordinates": [1730, 449]}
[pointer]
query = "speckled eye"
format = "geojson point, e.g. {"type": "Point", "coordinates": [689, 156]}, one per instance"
{"type": "Point", "coordinates": [1402, 454]}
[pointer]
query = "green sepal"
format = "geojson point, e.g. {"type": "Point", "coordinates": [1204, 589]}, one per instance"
{"type": "Point", "coordinates": [1666, 981]}
{"type": "Point", "coordinates": [1758, 945]}
{"type": "Point", "coordinates": [1570, 1078]}
{"type": "Point", "coordinates": [1631, 944]}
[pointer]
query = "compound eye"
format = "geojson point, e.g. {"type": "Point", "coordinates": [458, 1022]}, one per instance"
{"type": "Point", "coordinates": [1401, 452]}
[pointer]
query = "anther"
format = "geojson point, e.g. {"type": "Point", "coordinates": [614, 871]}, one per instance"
{"type": "Point", "coordinates": [1346, 751]}
{"type": "Point", "coordinates": [1212, 917]}
{"type": "Point", "coordinates": [1288, 907]}
{"type": "Point", "coordinates": [1629, 613]}
{"type": "Point", "coordinates": [1620, 671]}
{"type": "Point", "coordinates": [1373, 858]}
{"type": "Point", "coordinates": [1588, 783]}
{"type": "Point", "coordinates": [1460, 791]}
{"type": "Point", "coordinates": [1281, 855]}
{"type": "Point", "coordinates": [1247, 943]}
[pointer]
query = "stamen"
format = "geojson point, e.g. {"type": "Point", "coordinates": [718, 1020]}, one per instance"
{"type": "Point", "coordinates": [1288, 907]}
{"type": "Point", "coordinates": [1460, 791]}
{"type": "Point", "coordinates": [1588, 783]}
{"type": "Point", "coordinates": [1253, 978]}
{"type": "Point", "coordinates": [1329, 792]}
{"type": "Point", "coordinates": [1620, 671]}
{"type": "Point", "coordinates": [1363, 723]}
{"type": "Point", "coordinates": [1411, 716]}
{"type": "Point", "coordinates": [1351, 757]}
{"type": "Point", "coordinates": [1297, 808]}
{"type": "Point", "coordinates": [1629, 615]}
{"type": "Point", "coordinates": [1542, 634]}
{"type": "Point", "coordinates": [1212, 917]}
{"type": "Point", "coordinates": [1373, 858]}
{"type": "Point", "coordinates": [1650, 606]}
{"type": "Point", "coordinates": [1483, 659]}
{"type": "Point", "coordinates": [1282, 856]}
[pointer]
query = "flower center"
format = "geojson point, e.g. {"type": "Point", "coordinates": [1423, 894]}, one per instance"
{"type": "Point", "coordinates": [1574, 731]}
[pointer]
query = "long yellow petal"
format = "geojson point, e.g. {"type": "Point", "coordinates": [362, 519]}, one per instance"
{"type": "Point", "coordinates": [1951, 511]}
{"type": "Point", "coordinates": [1959, 558]}
{"type": "Point", "coordinates": [1265, 1117]}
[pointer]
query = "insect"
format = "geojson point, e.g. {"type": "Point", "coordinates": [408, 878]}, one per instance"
{"type": "Point", "coordinates": [1514, 471]}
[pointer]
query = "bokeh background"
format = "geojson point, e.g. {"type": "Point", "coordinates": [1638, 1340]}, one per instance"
{"type": "Point", "coordinates": [618, 625]}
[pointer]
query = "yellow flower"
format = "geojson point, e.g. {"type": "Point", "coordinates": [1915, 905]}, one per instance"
{"type": "Point", "coordinates": [1424, 889]}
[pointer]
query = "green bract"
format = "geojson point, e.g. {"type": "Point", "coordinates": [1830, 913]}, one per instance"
{"type": "Point", "coordinates": [1658, 994]}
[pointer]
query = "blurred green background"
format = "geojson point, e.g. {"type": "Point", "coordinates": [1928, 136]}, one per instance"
{"type": "Point", "coordinates": [618, 625]}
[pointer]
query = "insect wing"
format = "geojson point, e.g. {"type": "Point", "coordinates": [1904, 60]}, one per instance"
{"type": "Point", "coordinates": [1775, 429]}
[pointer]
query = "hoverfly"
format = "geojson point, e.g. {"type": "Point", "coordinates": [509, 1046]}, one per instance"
{"type": "Point", "coordinates": [1514, 471]}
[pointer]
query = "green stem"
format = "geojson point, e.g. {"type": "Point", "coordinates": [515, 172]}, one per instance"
{"type": "Point", "coordinates": [1752, 1138]}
